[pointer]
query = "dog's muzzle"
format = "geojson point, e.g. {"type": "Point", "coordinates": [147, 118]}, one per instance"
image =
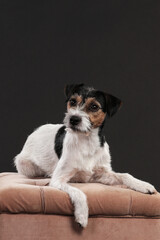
{"type": "Point", "coordinates": [77, 120]}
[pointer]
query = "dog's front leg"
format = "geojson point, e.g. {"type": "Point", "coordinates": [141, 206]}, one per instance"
{"type": "Point", "coordinates": [113, 178]}
{"type": "Point", "coordinates": [62, 174]}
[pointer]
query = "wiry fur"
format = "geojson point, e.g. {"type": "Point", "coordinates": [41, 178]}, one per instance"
{"type": "Point", "coordinates": [85, 124]}
{"type": "Point", "coordinates": [83, 157]}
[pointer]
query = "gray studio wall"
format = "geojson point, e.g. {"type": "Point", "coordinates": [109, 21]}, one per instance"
{"type": "Point", "coordinates": [111, 45]}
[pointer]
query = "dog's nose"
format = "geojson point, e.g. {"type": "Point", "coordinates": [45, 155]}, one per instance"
{"type": "Point", "coordinates": [75, 120]}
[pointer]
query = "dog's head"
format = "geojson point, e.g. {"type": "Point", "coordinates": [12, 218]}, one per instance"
{"type": "Point", "coordinates": [87, 108]}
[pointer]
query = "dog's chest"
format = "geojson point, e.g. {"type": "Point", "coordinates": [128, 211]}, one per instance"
{"type": "Point", "coordinates": [80, 144]}
{"type": "Point", "coordinates": [82, 152]}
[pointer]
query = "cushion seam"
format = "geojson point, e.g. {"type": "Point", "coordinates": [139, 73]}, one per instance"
{"type": "Point", "coordinates": [42, 199]}
{"type": "Point", "coordinates": [130, 206]}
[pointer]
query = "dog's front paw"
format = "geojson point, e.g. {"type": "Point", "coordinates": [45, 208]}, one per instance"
{"type": "Point", "coordinates": [82, 220]}
{"type": "Point", "coordinates": [81, 214]}
{"type": "Point", "coordinates": [144, 187]}
{"type": "Point", "coordinates": [81, 209]}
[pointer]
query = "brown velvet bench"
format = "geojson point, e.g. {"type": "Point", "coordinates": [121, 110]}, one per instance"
{"type": "Point", "coordinates": [29, 209]}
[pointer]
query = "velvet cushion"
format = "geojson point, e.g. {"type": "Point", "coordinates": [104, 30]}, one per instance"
{"type": "Point", "coordinates": [18, 194]}
{"type": "Point", "coordinates": [58, 227]}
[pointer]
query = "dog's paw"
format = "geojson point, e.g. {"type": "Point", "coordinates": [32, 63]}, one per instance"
{"type": "Point", "coordinates": [144, 187]}
{"type": "Point", "coordinates": [82, 220]}
{"type": "Point", "coordinates": [81, 209]}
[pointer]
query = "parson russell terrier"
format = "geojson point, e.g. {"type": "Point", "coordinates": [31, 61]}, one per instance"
{"type": "Point", "coordinates": [76, 151]}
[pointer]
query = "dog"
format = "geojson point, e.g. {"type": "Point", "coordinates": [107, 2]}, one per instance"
{"type": "Point", "coordinates": [76, 151]}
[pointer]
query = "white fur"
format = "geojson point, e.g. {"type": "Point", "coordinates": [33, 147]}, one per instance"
{"type": "Point", "coordinates": [85, 124]}
{"type": "Point", "coordinates": [81, 154]}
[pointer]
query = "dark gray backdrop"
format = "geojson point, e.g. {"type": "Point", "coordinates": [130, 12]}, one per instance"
{"type": "Point", "coordinates": [111, 45]}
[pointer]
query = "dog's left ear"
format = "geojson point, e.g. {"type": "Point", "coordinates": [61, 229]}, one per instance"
{"type": "Point", "coordinates": [113, 104]}
{"type": "Point", "coordinates": [68, 89]}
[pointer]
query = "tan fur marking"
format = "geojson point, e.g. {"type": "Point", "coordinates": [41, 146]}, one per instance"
{"type": "Point", "coordinates": [78, 99]}
{"type": "Point", "coordinates": [91, 100]}
{"type": "Point", "coordinates": [96, 118]}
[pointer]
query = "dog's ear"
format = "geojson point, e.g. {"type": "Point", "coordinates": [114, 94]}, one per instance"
{"type": "Point", "coordinates": [71, 88]}
{"type": "Point", "coordinates": [68, 89]}
{"type": "Point", "coordinates": [113, 104]}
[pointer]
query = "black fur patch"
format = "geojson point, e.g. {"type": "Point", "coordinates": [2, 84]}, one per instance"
{"type": "Point", "coordinates": [58, 145]}
{"type": "Point", "coordinates": [101, 137]}
{"type": "Point", "coordinates": [109, 103]}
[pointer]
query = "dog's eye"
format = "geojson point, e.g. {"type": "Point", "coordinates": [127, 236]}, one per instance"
{"type": "Point", "coordinates": [93, 107]}
{"type": "Point", "coordinates": [73, 102]}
